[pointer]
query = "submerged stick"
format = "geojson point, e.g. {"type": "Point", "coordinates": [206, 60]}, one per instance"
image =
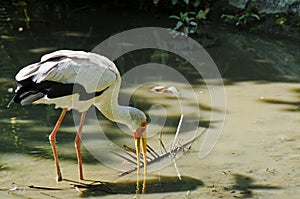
{"type": "Point", "coordinates": [125, 158]}
{"type": "Point", "coordinates": [44, 188]}
{"type": "Point", "coordinates": [161, 142]}
{"type": "Point", "coordinates": [177, 132]}
{"type": "Point", "coordinates": [152, 152]}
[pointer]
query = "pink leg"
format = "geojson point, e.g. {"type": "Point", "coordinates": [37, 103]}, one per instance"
{"type": "Point", "coordinates": [52, 139]}
{"type": "Point", "coordinates": [78, 144]}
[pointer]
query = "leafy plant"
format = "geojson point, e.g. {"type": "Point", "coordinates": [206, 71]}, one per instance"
{"type": "Point", "coordinates": [188, 22]}
{"type": "Point", "coordinates": [241, 19]}
{"type": "Point", "coordinates": [245, 17]}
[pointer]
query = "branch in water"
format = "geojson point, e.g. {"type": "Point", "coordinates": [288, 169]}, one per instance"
{"type": "Point", "coordinates": [129, 154]}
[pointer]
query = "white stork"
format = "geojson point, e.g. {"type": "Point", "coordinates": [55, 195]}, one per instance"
{"type": "Point", "coordinates": [77, 80]}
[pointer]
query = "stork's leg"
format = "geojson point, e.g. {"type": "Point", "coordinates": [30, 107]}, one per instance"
{"type": "Point", "coordinates": [52, 139]}
{"type": "Point", "coordinates": [138, 162]}
{"type": "Point", "coordinates": [141, 140]}
{"type": "Point", "coordinates": [144, 151]}
{"type": "Point", "coordinates": [78, 144]}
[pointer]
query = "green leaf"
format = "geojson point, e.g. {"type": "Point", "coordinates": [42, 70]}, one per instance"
{"type": "Point", "coordinates": [186, 2]}
{"type": "Point", "coordinates": [201, 14]}
{"type": "Point", "coordinates": [227, 16]}
{"type": "Point", "coordinates": [187, 20]}
{"type": "Point", "coordinates": [242, 17]}
{"type": "Point", "coordinates": [174, 17]}
{"type": "Point", "coordinates": [196, 3]}
{"type": "Point", "coordinates": [193, 23]}
{"type": "Point", "coordinates": [178, 25]}
{"type": "Point", "coordinates": [255, 16]}
{"type": "Point", "coordinates": [183, 15]}
{"type": "Point", "coordinates": [174, 2]}
{"type": "Point", "coordinates": [192, 31]}
{"type": "Point", "coordinates": [186, 31]}
{"type": "Point", "coordinates": [21, 4]}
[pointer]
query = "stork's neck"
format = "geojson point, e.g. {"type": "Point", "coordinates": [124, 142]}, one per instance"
{"type": "Point", "coordinates": [110, 108]}
{"type": "Point", "coordinates": [117, 113]}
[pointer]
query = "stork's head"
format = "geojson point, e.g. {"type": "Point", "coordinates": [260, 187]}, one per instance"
{"type": "Point", "coordinates": [138, 122]}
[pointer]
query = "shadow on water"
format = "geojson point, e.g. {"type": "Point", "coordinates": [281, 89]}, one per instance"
{"type": "Point", "coordinates": [157, 184]}
{"type": "Point", "coordinates": [161, 184]}
{"type": "Point", "coordinates": [245, 185]}
{"type": "Point", "coordinates": [294, 105]}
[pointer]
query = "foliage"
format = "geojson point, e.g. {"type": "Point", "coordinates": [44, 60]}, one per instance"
{"type": "Point", "coordinates": [26, 17]}
{"type": "Point", "coordinates": [245, 17]}
{"type": "Point", "coordinates": [241, 19]}
{"type": "Point", "coordinates": [188, 22]}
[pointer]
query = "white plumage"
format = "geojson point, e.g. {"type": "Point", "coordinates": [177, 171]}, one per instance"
{"type": "Point", "coordinates": [94, 72]}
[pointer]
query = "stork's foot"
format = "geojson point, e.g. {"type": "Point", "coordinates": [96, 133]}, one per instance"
{"type": "Point", "coordinates": [59, 178]}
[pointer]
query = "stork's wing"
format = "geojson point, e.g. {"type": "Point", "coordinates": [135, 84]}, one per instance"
{"type": "Point", "coordinates": [94, 72]}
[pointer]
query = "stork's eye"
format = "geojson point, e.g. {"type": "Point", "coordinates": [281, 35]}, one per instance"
{"type": "Point", "coordinates": [143, 124]}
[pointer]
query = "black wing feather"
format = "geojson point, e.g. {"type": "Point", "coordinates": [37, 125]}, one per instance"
{"type": "Point", "coordinates": [30, 91]}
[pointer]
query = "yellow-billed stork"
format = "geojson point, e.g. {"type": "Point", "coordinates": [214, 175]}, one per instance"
{"type": "Point", "coordinates": [77, 80]}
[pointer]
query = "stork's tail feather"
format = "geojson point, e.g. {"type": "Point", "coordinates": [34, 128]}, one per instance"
{"type": "Point", "coordinates": [25, 97]}
{"type": "Point", "coordinates": [28, 97]}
